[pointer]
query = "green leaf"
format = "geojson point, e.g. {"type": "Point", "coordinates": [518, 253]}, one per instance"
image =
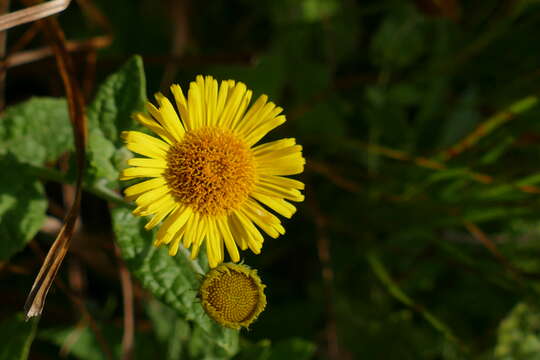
{"type": "Point", "coordinates": [497, 150]}
{"type": "Point", "coordinates": [405, 93]}
{"type": "Point", "coordinates": [22, 207]}
{"type": "Point", "coordinates": [179, 340]}
{"type": "Point", "coordinates": [258, 351]}
{"type": "Point", "coordinates": [323, 118]}
{"type": "Point", "coordinates": [316, 10]}
{"type": "Point", "coordinates": [81, 342]}
{"type": "Point", "coordinates": [518, 335]}
{"type": "Point", "coordinates": [122, 93]}
{"type": "Point", "coordinates": [462, 119]}
{"type": "Point", "coordinates": [399, 41]}
{"type": "Point", "coordinates": [17, 336]}
{"type": "Point", "coordinates": [493, 213]}
{"type": "Point", "coordinates": [37, 130]}
{"type": "Point", "coordinates": [172, 280]}
{"type": "Point", "coordinates": [100, 154]}
{"type": "Point", "coordinates": [172, 331]}
{"type": "Point", "coordinates": [295, 348]}
{"type": "Point", "coordinates": [218, 343]}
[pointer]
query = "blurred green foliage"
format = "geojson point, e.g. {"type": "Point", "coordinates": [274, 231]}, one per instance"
{"type": "Point", "coordinates": [407, 246]}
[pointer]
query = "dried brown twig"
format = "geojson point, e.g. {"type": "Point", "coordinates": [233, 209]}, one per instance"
{"type": "Point", "coordinates": [332, 175]}
{"type": "Point", "coordinates": [4, 8]}
{"type": "Point", "coordinates": [28, 56]}
{"type": "Point", "coordinates": [127, 295]}
{"type": "Point", "coordinates": [323, 251]}
{"type": "Point", "coordinates": [479, 235]}
{"type": "Point", "coordinates": [32, 13]}
{"type": "Point", "coordinates": [36, 298]}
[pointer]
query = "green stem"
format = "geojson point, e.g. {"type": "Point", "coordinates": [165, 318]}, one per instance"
{"type": "Point", "coordinates": [99, 189]}
{"type": "Point", "coordinates": [47, 174]}
{"type": "Point", "coordinates": [192, 262]}
{"type": "Point", "coordinates": [394, 290]}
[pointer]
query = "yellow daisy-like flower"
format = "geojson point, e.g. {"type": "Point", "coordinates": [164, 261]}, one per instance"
{"type": "Point", "coordinates": [208, 181]}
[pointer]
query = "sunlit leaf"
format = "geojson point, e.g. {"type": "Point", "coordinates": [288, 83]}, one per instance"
{"type": "Point", "coordinates": [122, 93]}
{"type": "Point", "coordinates": [22, 207]}
{"type": "Point", "coordinates": [518, 334]}
{"type": "Point", "coordinates": [37, 130]}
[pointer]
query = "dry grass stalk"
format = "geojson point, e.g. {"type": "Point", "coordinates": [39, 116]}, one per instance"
{"type": "Point", "coordinates": [32, 13]}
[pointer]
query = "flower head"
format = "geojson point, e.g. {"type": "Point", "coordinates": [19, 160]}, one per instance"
{"type": "Point", "coordinates": [232, 295]}
{"type": "Point", "coordinates": [207, 180]}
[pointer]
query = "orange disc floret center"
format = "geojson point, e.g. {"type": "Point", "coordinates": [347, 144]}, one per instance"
{"type": "Point", "coordinates": [211, 170]}
{"type": "Point", "coordinates": [234, 297]}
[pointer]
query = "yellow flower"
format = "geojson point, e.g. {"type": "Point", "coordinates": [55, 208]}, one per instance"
{"type": "Point", "coordinates": [208, 180]}
{"type": "Point", "coordinates": [232, 295]}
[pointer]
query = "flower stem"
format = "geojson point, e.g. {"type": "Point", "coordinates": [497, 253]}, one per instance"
{"type": "Point", "coordinates": [383, 275]}
{"type": "Point", "coordinates": [99, 188]}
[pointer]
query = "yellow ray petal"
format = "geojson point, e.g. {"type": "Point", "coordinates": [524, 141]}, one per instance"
{"type": "Point", "coordinates": [191, 230]}
{"type": "Point", "coordinates": [195, 106]}
{"type": "Point", "coordinates": [222, 99]}
{"type": "Point", "coordinates": [260, 117]}
{"type": "Point", "coordinates": [135, 190]}
{"type": "Point", "coordinates": [198, 238]}
{"type": "Point", "coordinates": [140, 172]}
{"type": "Point", "coordinates": [148, 163]}
{"type": "Point", "coordinates": [289, 165]}
{"type": "Point", "coordinates": [280, 206]}
{"type": "Point", "coordinates": [182, 106]}
{"type": "Point", "coordinates": [267, 228]}
{"type": "Point", "coordinates": [263, 129]}
{"type": "Point", "coordinates": [212, 259]}
{"type": "Point", "coordinates": [272, 146]}
{"type": "Point", "coordinates": [169, 238]}
{"type": "Point", "coordinates": [154, 126]}
{"type": "Point", "coordinates": [213, 241]}
{"type": "Point", "coordinates": [152, 196]}
{"type": "Point", "coordinates": [175, 221]}
{"type": "Point", "coordinates": [145, 144]}
{"type": "Point", "coordinates": [211, 100]}
{"type": "Point", "coordinates": [254, 237]}
{"type": "Point", "coordinates": [145, 150]}
{"type": "Point", "coordinates": [173, 247]}
{"type": "Point", "coordinates": [283, 181]}
{"type": "Point", "coordinates": [241, 110]}
{"type": "Point", "coordinates": [161, 214]}
{"type": "Point", "coordinates": [201, 86]}
{"type": "Point", "coordinates": [169, 117]}
{"type": "Point", "coordinates": [277, 155]}
{"type": "Point", "coordinates": [139, 137]}
{"type": "Point", "coordinates": [264, 219]}
{"type": "Point", "coordinates": [223, 228]}
{"type": "Point", "coordinates": [270, 189]}
{"type": "Point", "coordinates": [247, 120]}
{"type": "Point", "coordinates": [239, 235]}
{"type": "Point", "coordinates": [159, 205]}
{"type": "Point", "coordinates": [176, 239]}
{"type": "Point", "coordinates": [232, 105]}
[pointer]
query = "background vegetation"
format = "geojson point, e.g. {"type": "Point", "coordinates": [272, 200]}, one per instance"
{"type": "Point", "coordinates": [419, 237]}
